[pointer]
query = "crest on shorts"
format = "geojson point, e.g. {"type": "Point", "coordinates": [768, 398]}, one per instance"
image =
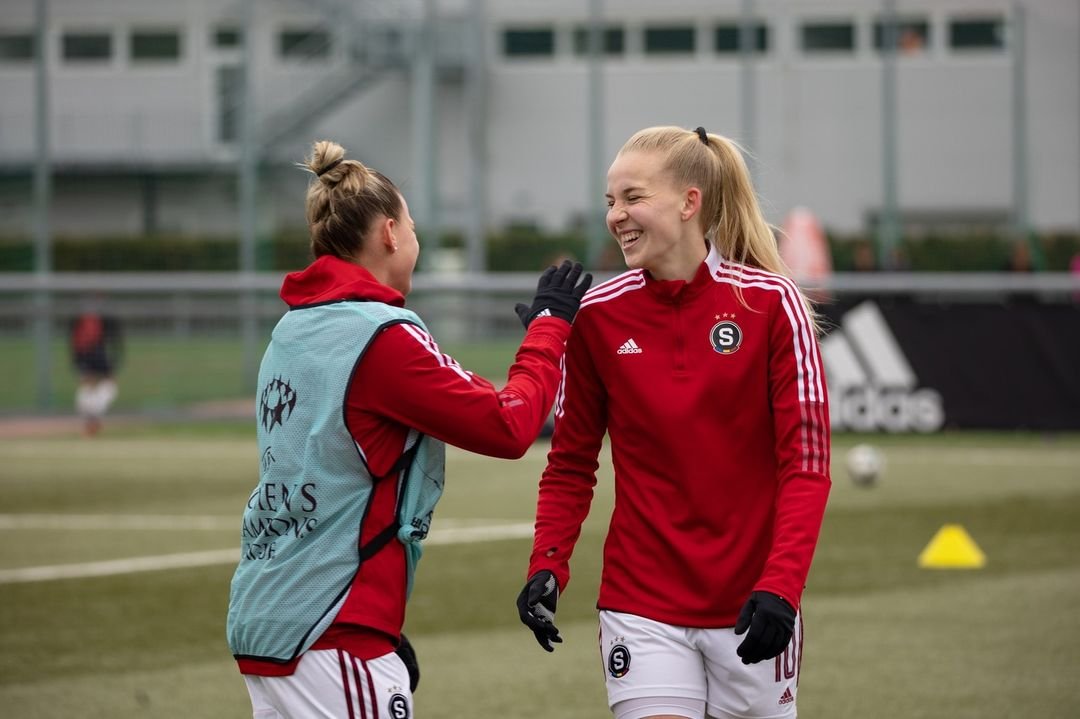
{"type": "Point", "coordinates": [618, 661]}
{"type": "Point", "coordinates": [399, 707]}
{"type": "Point", "coordinates": [726, 337]}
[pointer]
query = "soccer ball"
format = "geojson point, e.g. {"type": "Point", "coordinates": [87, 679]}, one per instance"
{"type": "Point", "coordinates": [864, 465]}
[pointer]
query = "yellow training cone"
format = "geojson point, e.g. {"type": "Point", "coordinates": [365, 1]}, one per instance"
{"type": "Point", "coordinates": [952, 548]}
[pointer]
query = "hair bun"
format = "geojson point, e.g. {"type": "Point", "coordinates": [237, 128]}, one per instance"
{"type": "Point", "coordinates": [346, 197]}
{"type": "Point", "coordinates": [326, 155]}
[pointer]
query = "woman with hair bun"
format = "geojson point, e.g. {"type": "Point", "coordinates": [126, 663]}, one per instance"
{"type": "Point", "coordinates": [355, 402]}
{"type": "Point", "coordinates": [701, 365]}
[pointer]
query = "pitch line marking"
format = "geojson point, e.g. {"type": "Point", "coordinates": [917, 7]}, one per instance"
{"type": "Point", "coordinates": [116, 521]}
{"type": "Point", "coordinates": [166, 521]}
{"type": "Point", "coordinates": [118, 566]}
{"type": "Point", "coordinates": [131, 565]}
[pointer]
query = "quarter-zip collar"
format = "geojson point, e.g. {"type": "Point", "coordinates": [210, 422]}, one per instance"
{"type": "Point", "coordinates": [672, 291]}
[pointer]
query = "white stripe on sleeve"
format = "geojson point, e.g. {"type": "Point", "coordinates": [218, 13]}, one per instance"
{"type": "Point", "coordinates": [428, 342]}
{"type": "Point", "coordinates": [613, 288]}
{"type": "Point", "coordinates": [560, 394]}
{"type": "Point", "coordinates": [807, 356]}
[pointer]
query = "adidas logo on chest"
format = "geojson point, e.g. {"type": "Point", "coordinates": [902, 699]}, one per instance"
{"type": "Point", "coordinates": [629, 347]}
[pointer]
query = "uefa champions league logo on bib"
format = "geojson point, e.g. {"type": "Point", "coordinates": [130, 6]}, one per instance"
{"type": "Point", "coordinates": [276, 403]}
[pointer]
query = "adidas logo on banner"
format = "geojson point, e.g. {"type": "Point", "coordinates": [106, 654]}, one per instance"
{"type": "Point", "coordinates": [629, 347]}
{"type": "Point", "coordinates": [786, 698]}
{"type": "Point", "coordinates": [871, 385]}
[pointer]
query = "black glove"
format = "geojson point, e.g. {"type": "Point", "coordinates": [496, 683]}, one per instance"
{"type": "Point", "coordinates": [556, 294]}
{"type": "Point", "coordinates": [408, 656]}
{"type": "Point", "coordinates": [771, 622]}
{"type": "Point", "coordinates": [536, 607]}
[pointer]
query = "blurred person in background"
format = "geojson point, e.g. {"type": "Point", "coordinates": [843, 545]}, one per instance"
{"type": "Point", "coordinates": [701, 365]}
{"type": "Point", "coordinates": [1020, 259]}
{"type": "Point", "coordinates": [96, 350]}
{"type": "Point", "coordinates": [863, 259]}
{"type": "Point", "coordinates": [355, 403]}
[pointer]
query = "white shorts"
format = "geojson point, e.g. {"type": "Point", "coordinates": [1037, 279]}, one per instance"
{"type": "Point", "coordinates": [648, 662]}
{"type": "Point", "coordinates": [333, 683]}
{"type": "Point", "coordinates": [94, 400]}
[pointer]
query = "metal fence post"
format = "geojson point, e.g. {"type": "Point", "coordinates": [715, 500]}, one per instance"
{"type": "Point", "coordinates": [42, 207]}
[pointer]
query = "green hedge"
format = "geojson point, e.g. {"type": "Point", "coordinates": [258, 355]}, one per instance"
{"type": "Point", "coordinates": [979, 253]}
{"type": "Point", "coordinates": [154, 254]}
{"type": "Point", "coordinates": [974, 253]}
{"type": "Point", "coordinates": [523, 249]}
{"type": "Point", "coordinates": [513, 249]}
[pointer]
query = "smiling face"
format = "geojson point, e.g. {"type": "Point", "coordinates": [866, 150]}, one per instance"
{"type": "Point", "coordinates": [652, 218]}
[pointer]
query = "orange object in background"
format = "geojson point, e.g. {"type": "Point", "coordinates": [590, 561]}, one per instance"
{"type": "Point", "coordinates": [806, 252]}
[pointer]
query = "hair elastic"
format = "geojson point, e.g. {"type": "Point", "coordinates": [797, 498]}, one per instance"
{"type": "Point", "coordinates": [702, 135]}
{"type": "Point", "coordinates": [329, 167]}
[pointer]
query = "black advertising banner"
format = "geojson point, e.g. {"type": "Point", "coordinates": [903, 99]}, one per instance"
{"type": "Point", "coordinates": [900, 365]}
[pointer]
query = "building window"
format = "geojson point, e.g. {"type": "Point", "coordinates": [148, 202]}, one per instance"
{"type": "Point", "coordinates": [228, 37]}
{"type": "Point", "coordinates": [380, 45]}
{"type": "Point", "coordinates": [87, 46]}
{"type": "Point", "coordinates": [230, 94]}
{"type": "Point", "coordinates": [912, 36]}
{"type": "Point", "coordinates": [828, 37]}
{"type": "Point", "coordinates": [16, 47]}
{"type": "Point", "coordinates": [155, 45]}
{"type": "Point", "coordinates": [726, 38]}
{"type": "Point", "coordinates": [670, 40]}
{"type": "Point", "coordinates": [529, 43]}
{"type": "Point", "coordinates": [304, 44]}
{"type": "Point", "coordinates": [977, 34]}
{"type": "Point", "coordinates": [612, 40]}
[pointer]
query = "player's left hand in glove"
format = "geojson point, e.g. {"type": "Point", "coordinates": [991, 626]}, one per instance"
{"type": "Point", "coordinates": [407, 655]}
{"type": "Point", "coordinates": [536, 607]}
{"type": "Point", "coordinates": [770, 621]}
{"type": "Point", "coordinates": [558, 293]}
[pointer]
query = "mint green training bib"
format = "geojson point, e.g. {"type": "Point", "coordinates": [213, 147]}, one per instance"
{"type": "Point", "coordinates": [301, 527]}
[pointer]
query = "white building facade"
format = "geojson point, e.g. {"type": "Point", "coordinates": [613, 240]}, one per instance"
{"type": "Point", "coordinates": [497, 126]}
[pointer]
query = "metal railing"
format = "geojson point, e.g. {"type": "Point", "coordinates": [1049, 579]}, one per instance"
{"type": "Point", "coordinates": [223, 319]}
{"type": "Point", "coordinates": [948, 283]}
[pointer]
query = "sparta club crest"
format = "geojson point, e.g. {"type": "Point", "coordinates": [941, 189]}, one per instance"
{"type": "Point", "coordinates": [618, 661]}
{"type": "Point", "coordinates": [399, 707]}
{"type": "Point", "coordinates": [726, 337]}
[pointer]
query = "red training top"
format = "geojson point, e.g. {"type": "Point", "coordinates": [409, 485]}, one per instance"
{"type": "Point", "coordinates": [719, 430]}
{"type": "Point", "coordinates": [404, 381]}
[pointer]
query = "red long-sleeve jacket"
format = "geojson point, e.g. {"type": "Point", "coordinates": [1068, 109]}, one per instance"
{"type": "Point", "coordinates": [404, 381]}
{"type": "Point", "coordinates": [717, 416]}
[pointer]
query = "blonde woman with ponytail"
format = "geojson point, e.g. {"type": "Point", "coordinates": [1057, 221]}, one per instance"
{"type": "Point", "coordinates": [355, 403]}
{"type": "Point", "coordinates": [701, 365]}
